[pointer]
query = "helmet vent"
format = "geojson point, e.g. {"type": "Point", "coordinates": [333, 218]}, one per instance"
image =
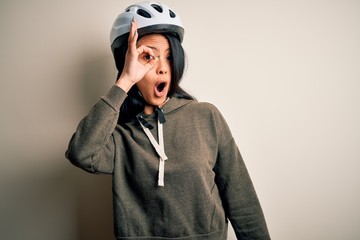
{"type": "Point", "coordinates": [172, 14]}
{"type": "Point", "coordinates": [157, 8]}
{"type": "Point", "coordinates": [143, 13]}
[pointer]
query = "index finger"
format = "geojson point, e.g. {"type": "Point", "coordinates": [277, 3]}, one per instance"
{"type": "Point", "coordinates": [144, 50]}
{"type": "Point", "coordinates": [133, 36]}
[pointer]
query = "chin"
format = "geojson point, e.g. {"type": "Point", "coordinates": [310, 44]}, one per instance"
{"type": "Point", "coordinates": [157, 101]}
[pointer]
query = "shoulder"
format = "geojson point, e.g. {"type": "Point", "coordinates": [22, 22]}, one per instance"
{"type": "Point", "coordinates": [204, 107]}
{"type": "Point", "coordinates": [188, 105]}
{"type": "Point", "coordinates": [193, 109]}
{"type": "Point", "coordinates": [206, 112]}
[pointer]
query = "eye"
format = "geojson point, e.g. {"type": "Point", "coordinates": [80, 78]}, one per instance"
{"type": "Point", "coordinates": [170, 58]}
{"type": "Point", "coordinates": [148, 57]}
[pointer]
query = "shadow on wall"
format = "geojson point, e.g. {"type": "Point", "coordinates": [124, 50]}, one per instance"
{"type": "Point", "coordinates": [43, 196]}
{"type": "Point", "coordinates": [94, 212]}
{"type": "Point", "coordinates": [93, 205]}
{"type": "Point", "coordinates": [96, 75]}
{"type": "Point", "coordinates": [57, 204]}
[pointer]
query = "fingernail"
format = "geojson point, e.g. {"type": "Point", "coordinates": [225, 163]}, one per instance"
{"type": "Point", "coordinates": [135, 32]}
{"type": "Point", "coordinates": [133, 19]}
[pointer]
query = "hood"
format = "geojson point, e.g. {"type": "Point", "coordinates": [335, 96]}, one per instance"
{"type": "Point", "coordinates": [175, 103]}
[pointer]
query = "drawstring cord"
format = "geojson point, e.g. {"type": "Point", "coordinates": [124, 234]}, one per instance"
{"type": "Point", "coordinates": [159, 147]}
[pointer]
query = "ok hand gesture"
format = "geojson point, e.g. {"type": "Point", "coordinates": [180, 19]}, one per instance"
{"type": "Point", "coordinates": [134, 70]}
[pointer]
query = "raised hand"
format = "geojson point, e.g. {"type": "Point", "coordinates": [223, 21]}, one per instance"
{"type": "Point", "coordinates": [135, 68]}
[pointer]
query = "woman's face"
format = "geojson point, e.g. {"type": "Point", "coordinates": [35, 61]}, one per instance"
{"type": "Point", "coordinates": [155, 85]}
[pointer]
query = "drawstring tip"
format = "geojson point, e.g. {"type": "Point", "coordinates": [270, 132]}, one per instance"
{"type": "Point", "coordinates": [161, 171]}
{"type": "Point", "coordinates": [144, 122]}
{"type": "Point", "coordinates": [160, 115]}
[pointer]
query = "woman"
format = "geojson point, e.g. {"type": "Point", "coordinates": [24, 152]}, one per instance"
{"type": "Point", "coordinates": [177, 172]}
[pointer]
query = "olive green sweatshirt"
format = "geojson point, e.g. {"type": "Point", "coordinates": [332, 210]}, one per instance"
{"type": "Point", "coordinates": [206, 182]}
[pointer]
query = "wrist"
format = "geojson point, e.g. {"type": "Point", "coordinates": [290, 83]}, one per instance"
{"type": "Point", "coordinates": [124, 83]}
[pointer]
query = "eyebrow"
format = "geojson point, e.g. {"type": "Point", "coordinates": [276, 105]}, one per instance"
{"type": "Point", "coordinates": [155, 48]}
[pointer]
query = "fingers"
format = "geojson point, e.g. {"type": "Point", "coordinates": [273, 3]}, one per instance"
{"type": "Point", "coordinates": [142, 55]}
{"type": "Point", "coordinates": [133, 36]}
{"type": "Point", "coordinates": [146, 57]}
{"type": "Point", "coordinates": [146, 53]}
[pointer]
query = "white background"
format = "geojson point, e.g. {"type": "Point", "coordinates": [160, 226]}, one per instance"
{"type": "Point", "coordinates": [285, 74]}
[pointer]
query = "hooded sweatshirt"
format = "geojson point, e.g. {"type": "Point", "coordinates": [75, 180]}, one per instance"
{"type": "Point", "coordinates": [205, 181]}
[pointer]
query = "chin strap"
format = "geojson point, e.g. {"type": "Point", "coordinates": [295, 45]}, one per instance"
{"type": "Point", "coordinates": [159, 147]}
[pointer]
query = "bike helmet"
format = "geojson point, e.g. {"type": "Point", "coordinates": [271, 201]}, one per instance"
{"type": "Point", "coordinates": [152, 17]}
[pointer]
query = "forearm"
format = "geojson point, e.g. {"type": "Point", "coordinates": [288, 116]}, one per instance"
{"type": "Point", "coordinates": [246, 216]}
{"type": "Point", "coordinates": [91, 146]}
{"type": "Point", "coordinates": [239, 197]}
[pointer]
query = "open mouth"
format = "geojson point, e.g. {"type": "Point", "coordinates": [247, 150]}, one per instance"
{"type": "Point", "coordinates": [160, 87]}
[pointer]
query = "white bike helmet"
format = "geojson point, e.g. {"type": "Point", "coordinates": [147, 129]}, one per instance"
{"type": "Point", "coordinates": [152, 17]}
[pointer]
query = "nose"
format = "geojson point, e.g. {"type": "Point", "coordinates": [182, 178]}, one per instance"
{"type": "Point", "coordinates": [162, 66]}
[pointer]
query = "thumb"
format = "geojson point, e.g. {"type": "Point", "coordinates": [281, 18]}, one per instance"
{"type": "Point", "coordinates": [149, 65]}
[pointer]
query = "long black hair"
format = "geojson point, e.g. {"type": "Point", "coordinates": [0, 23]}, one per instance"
{"type": "Point", "coordinates": [134, 103]}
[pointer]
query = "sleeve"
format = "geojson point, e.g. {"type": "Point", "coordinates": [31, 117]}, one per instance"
{"type": "Point", "coordinates": [92, 145]}
{"type": "Point", "coordinates": [239, 198]}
